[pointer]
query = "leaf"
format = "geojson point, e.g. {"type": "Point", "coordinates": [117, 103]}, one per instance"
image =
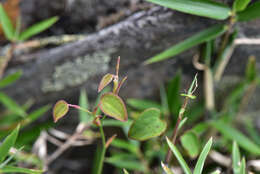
{"type": "Point", "coordinates": [250, 13]}
{"type": "Point", "coordinates": [10, 79]}
{"type": "Point", "coordinates": [105, 81]}
{"type": "Point", "coordinates": [122, 144]}
{"type": "Point", "coordinates": [12, 105]}
{"type": "Point", "coordinates": [179, 157]}
{"type": "Point", "coordinates": [147, 125]}
{"type": "Point", "coordinates": [60, 109]}
{"type": "Point", "coordinates": [194, 40]}
{"type": "Point", "coordinates": [243, 166]}
{"type": "Point", "coordinates": [127, 161]}
{"type": "Point", "coordinates": [173, 94]}
{"type": "Point", "coordinates": [8, 143]}
{"type": "Point", "coordinates": [240, 5]}
{"type": "Point", "coordinates": [34, 115]}
{"type": "Point", "coordinates": [12, 169]}
{"type": "Point", "coordinates": [233, 134]}
{"type": "Point", "coordinates": [37, 28]}
{"type": "Point", "coordinates": [166, 169]}
{"type": "Point", "coordinates": [142, 104]}
{"type": "Point", "coordinates": [125, 171]}
{"type": "Point", "coordinates": [113, 106]}
{"type": "Point", "coordinates": [235, 158]}
{"type": "Point", "coordinates": [251, 70]}
{"type": "Point", "coordinates": [191, 144]}
{"type": "Point", "coordinates": [200, 163]}
{"type": "Point", "coordinates": [6, 24]}
{"type": "Point", "coordinates": [84, 117]}
{"type": "Point", "coordinates": [204, 8]}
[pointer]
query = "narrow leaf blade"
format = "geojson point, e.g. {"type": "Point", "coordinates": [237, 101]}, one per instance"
{"type": "Point", "coordinates": [200, 163]}
{"type": "Point", "coordinates": [8, 143]}
{"type": "Point", "coordinates": [250, 13]}
{"type": "Point", "coordinates": [235, 158]}
{"type": "Point", "coordinates": [10, 79]}
{"type": "Point", "coordinates": [179, 157]}
{"type": "Point", "coordinates": [240, 5]}
{"type": "Point", "coordinates": [205, 8]}
{"type": "Point", "coordinates": [37, 28]}
{"type": "Point", "coordinates": [12, 169]}
{"type": "Point", "coordinates": [194, 40]}
{"type": "Point", "coordinates": [6, 24]}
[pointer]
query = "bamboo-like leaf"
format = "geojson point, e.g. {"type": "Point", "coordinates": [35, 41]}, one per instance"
{"type": "Point", "coordinates": [240, 5]}
{"type": "Point", "coordinates": [125, 171]}
{"type": "Point", "coordinates": [233, 134]}
{"type": "Point", "coordinates": [37, 28]}
{"type": "Point", "coordinates": [60, 110]}
{"type": "Point", "coordinates": [200, 163]}
{"type": "Point", "coordinates": [12, 169]}
{"type": "Point", "coordinates": [142, 104]}
{"type": "Point", "coordinates": [11, 105]}
{"type": "Point", "coordinates": [235, 158]}
{"type": "Point", "coordinates": [179, 157]}
{"type": "Point", "coordinates": [105, 81]}
{"type": "Point", "coordinates": [206, 8]}
{"type": "Point", "coordinates": [243, 166]}
{"type": "Point", "coordinates": [8, 143]}
{"type": "Point", "coordinates": [10, 79]}
{"type": "Point", "coordinates": [194, 40]}
{"type": "Point", "coordinates": [113, 106]}
{"type": "Point", "coordinates": [250, 13]}
{"type": "Point", "coordinates": [147, 125]}
{"type": "Point", "coordinates": [83, 103]}
{"type": "Point", "coordinates": [6, 24]}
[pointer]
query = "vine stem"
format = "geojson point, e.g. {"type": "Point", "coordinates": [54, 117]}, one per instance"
{"type": "Point", "coordinates": [103, 151]}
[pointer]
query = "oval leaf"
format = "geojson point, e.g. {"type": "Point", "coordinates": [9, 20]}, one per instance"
{"type": "Point", "coordinates": [60, 109]}
{"type": "Point", "coordinates": [204, 8]}
{"type": "Point", "coordinates": [147, 125]}
{"type": "Point", "coordinates": [191, 144]}
{"type": "Point", "coordinates": [240, 5]}
{"type": "Point", "coordinates": [250, 13]}
{"type": "Point", "coordinates": [105, 81]}
{"type": "Point", "coordinates": [198, 38]}
{"type": "Point", "coordinates": [113, 106]}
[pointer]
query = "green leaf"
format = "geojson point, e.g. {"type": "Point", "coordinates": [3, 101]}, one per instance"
{"type": "Point", "coordinates": [243, 166]}
{"type": "Point", "coordinates": [12, 169]}
{"type": "Point", "coordinates": [240, 5]}
{"type": "Point", "coordinates": [122, 144]}
{"type": "Point", "coordinates": [250, 13]}
{"type": "Point", "coordinates": [11, 105]}
{"type": "Point", "coordinates": [235, 158]}
{"type": "Point", "coordinates": [200, 163]}
{"type": "Point", "coordinates": [37, 28]}
{"type": "Point", "coordinates": [142, 104]}
{"type": "Point", "coordinates": [60, 109]}
{"type": "Point", "coordinates": [191, 144]}
{"type": "Point", "coordinates": [34, 115]}
{"type": "Point", "coordinates": [173, 94]}
{"type": "Point", "coordinates": [147, 125]}
{"type": "Point", "coordinates": [105, 81]}
{"type": "Point", "coordinates": [179, 157]}
{"type": "Point", "coordinates": [113, 106]}
{"type": "Point", "coordinates": [127, 161]}
{"type": "Point", "coordinates": [204, 8]}
{"type": "Point", "coordinates": [233, 134]}
{"type": "Point", "coordinates": [84, 117]}
{"type": "Point", "coordinates": [125, 171]}
{"type": "Point", "coordinates": [8, 143]}
{"type": "Point", "coordinates": [6, 24]}
{"type": "Point", "coordinates": [251, 70]}
{"type": "Point", "coordinates": [194, 40]}
{"type": "Point", "coordinates": [10, 79]}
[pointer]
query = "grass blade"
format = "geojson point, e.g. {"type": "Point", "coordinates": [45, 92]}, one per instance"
{"type": "Point", "coordinates": [179, 157]}
{"type": "Point", "coordinates": [204, 8]}
{"type": "Point", "coordinates": [12, 169]}
{"type": "Point", "coordinates": [6, 23]}
{"type": "Point", "coordinates": [10, 79]}
{"type": "Point", "coordinates": [233, 134]}
{"type": "Point", "coordinates": [240, 5]}
{"type": "Point", "coordinates": [196, 39]}
{"type": "Point", "coordinates": [200, 163]}
{"type": "Point", "coordinates": [235, 158]}
{"type": "Point", "coordinates": [37, 28]}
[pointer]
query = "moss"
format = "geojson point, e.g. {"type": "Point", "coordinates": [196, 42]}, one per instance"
{"type": "Point", "coordinates": [76, 72]}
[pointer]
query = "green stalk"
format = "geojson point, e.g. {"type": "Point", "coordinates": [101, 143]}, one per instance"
{"type": "Point", "coordinates": [103, 150]}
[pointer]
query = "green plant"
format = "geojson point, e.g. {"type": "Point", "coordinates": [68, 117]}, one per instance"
{"type": "Point", "coordinates": [14, 35]}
